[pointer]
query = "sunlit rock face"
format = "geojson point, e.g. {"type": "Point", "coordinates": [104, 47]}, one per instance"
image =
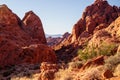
{"type": "Point", "coordinates": [95, 17]}
{"type": "Point", "coordinates": [17, 38]}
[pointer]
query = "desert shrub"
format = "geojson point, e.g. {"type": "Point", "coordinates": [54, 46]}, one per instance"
{"type": "Point", "coordinates": [86, 53]}
{"type": "Point", "coordinates": [93, 51]}
{"type": "Point", "coordinates": [112, 61]}
{"type": "Point", "coordinates": [64, 75]}
{"type": "Point", "coordinates": [76, 64]}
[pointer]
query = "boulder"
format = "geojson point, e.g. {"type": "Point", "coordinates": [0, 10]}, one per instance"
{"type": "Point", "coordinates": [94, 62]}
{"type": "Point", "coordinates": [47, 71]}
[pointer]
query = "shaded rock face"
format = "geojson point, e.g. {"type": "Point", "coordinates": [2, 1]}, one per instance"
{"type": "Point", "coordinates": [33, 26]}
{"type": "Point", "coordinates": [95, 17]}
{"type": "Point", "coordinates": [37, 54]}
{"type": "Point", "coordinates": [16, 42]}
{"type": "Point", "coordinates": [7, 18]}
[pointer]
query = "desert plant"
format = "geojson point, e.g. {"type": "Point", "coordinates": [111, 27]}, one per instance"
{"type": "Point", "coordinates": [76, 64]}
{"type": "Point", "coordinates": [112, 61]}
{"type": "Point", "coordinates": [93, 51]}
{"type": "Point", "coordinates": [86, 53]}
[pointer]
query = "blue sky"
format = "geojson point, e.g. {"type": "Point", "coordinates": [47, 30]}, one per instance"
{"type": "Point", "coordinates": [57, 16]}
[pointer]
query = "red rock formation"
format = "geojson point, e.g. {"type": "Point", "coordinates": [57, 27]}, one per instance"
{"type": "Point", "coordinates": [33, 26]}
{"type": "Point", "coordinates": [109, 35]}
{"type": "Point", "coordinates": [96, 61]}
{"type": "Point", "coordinates": [7, 18]}
{"type": "Point", "coordinates": [113, 28]}
{"type": "Point", "coordinates": [32, 54]}
{"type": "Point", "coordinates": [37, 54]}
{"type": "Point", "coordinates": [47, 71]}
{"type": "Point", "coordinates": [16, 44]}
{"type": "Point", "coordinates": [95, 17]}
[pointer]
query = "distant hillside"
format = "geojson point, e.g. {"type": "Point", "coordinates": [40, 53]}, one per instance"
{"type": "Point", "coordinates": [53, 35]}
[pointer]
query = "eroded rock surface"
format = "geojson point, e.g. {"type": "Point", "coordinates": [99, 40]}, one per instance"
{"type": "Point", "coordinates": [22, 41]}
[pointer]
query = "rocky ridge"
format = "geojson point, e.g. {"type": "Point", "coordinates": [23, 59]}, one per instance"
{"type": "Point", "coordinates": [96, 17]}
{"type": "Point", "coordinates": [52, 41]}
{"type": "Point", "coordinates": [22, 41]}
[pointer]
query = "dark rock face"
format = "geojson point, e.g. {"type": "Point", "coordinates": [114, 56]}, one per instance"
{"type": "Point", "coordinates": [6, 18]}
{"type": "Point", "coordinates": [16, 39]}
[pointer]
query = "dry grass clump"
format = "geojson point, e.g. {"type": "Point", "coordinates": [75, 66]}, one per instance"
{"type": "Point", "coordinates": [76, 64]}
{"type": "Point", "coordinates": [117, 71]}
{"type": "Point", "coordinates": [112, 61]}
{"type": "Point", "coordinates": [69, 73]}
{"type": "Point", "coordinates": [64, 75]}
{"type": "Point", "coordinates": [33, 77]}
{"type": "Point", "coordinates": [91, 73]}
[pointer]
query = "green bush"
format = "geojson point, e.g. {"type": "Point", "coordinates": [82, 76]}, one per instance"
{"type": "Point", "coordinates": [93, 51]}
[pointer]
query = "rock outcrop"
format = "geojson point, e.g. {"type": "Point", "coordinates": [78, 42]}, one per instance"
{"type": "Point", "coordinates": [7, 18]}
{"type": "Point", "coordinates": [38, 53]}
{"type": "Point", "coordinates": [22, 42]}
{"type": "Point", "coordinates": [95, 17]}
{"type": "Point", "coordinates": [109, 35]}
{"type": "Point", "coordinates": [47, 71]}
{"type": "Point", "coordinates": [33, 26]}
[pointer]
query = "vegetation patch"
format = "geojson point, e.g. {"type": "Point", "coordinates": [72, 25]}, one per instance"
{"type": "Point", "coordinates": [93, 51]}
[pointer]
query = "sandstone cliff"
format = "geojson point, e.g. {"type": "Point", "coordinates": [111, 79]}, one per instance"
{"type": "Point", "coordinates": [22, 41]}
{"type": "Point", "coordinates": [96, 17]}
{"type": "Point", "coordinates": [33, 26]}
